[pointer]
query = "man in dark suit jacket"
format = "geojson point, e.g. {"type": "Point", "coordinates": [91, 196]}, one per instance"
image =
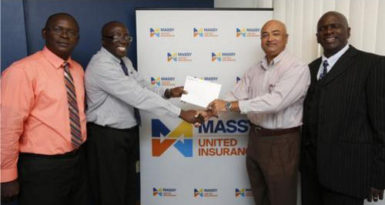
{"type": "Point", "coordinates": [343, 139]}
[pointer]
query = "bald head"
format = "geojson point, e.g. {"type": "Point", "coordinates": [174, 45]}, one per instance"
{"type": "Point", "coordinates": [273, 38]}
{"type": "Point", "coordinates": [275, 23]}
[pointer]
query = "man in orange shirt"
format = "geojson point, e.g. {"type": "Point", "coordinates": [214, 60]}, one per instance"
{"type": "Point", "coordinates": [43, 122]}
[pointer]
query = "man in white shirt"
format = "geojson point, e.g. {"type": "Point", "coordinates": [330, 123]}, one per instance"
{"type": "Point", "coordinates": [271, 93]}
{"type": "Point", "coordinates": [115, 92]}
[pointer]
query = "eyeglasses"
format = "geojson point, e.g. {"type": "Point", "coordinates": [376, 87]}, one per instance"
{"type": "Point", "coordinates": [116, 38]}
{"type": "Point", "coordinates": [60, 31]}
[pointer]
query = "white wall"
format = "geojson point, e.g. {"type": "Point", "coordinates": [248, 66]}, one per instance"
{"type": "Point", "coordinates": [366, 18]}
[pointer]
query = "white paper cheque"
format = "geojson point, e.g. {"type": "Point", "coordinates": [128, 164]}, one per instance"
{"type": "Point", "coordinates": [200, 92]}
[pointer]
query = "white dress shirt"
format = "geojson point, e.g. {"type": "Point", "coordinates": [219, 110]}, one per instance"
{"type": "Point", "coordinates": [331, 60]}
{"type": "Point", "coordinates": [112, 96]}
{"type": "Point", "coordinates": [272, 95]}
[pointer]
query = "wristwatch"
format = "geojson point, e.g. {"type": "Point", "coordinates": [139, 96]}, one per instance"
{"type": "Point", "coordinates": [228, 106]}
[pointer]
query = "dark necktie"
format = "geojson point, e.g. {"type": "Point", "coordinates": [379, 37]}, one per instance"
{"type": "Point", "coordinates": [76, 135]}
{"type": "Point", "coordinates": [136, 111]}
{"type": "Point", "coordinates": [325, 65]}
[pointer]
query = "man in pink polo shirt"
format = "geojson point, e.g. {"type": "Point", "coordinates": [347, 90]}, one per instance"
{"type": "Point", "coordinates": [43, 122]}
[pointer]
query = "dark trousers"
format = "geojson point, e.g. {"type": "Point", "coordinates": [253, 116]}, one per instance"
{"type": "Point", "coordinates": [272, 165]}
{"type": "Point", "coordinates": [313, 193]}
{"type": "Point", "coordinates": [53, 180]}
{"type": "Point", "coordinates": [112, 155]}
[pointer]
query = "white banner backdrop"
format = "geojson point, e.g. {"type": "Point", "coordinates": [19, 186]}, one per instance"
{"type": "Point", "coordinates": [181, 164]}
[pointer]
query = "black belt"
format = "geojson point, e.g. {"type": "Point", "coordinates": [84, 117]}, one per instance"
{"type": "Point", "coordinates": [66, 155]}
{"type": "Point", "coordinates": [107, 127]}
{"type": "Point", "coordinates": [273, 132]}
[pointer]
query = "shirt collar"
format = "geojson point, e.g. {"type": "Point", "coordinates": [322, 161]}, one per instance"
{"type": "Point", "coordinates": [278, 58]}
{"type": "Point", "coordinates": [55, 60]}
{"type": "Point", "coordinates": [334, 58]}
{"type": "Point", "coordinates": [109, 54]}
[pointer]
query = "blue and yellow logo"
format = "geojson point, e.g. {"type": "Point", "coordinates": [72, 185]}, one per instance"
{"type": "Point", "coordinates": [247, 32]}
{"type": "Point", "coordinates": [205, 193]}
{"type": "Point", "coordinates": [172, 57]}
{"type": "Point", "coordinates": [162, 32]}
{"type": "Point", "coordinates": [154, 32]}
{"type": "Point", "coordinates": [242, 193]}
{"type": "Point", "coordinates": [155, 81]}
{"type": "Point", "coordinates": [198, 192]}
{"type": "Point", "coordinates": [163, 81]}
{"type": "Point", "coordinates": [164, 192]}
{"type": "Point", "coordinates": [216, 57]}
{"type": "Point", "coordinates": [157, 192]}
{"type": "Point", "coordinates": [241, 32]}
{"type": "Point", "coordinates": [180, 138]}
{"type": "Point", "coordinates": [198, 32]}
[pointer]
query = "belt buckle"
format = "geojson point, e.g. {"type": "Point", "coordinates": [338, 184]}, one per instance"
{"type": "Point", "coordinates": [258, 128]}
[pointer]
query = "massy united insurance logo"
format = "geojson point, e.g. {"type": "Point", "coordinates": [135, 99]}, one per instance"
{"type": "Point", "coordinates": [242, 193]}
{"type": "Point", "coordinates": [162, 81]}
{"type": "Point", "coordinates": [164, 192]}
{"type": "Point", "coordinates": [205, 32]}
{"type": "Point", "coordinates": [179, 56]}
{"type": "Point", "coordinates": [205, 193]}
{"type": "Point", "coordinates": [248, 32]}
{"type": "Point", "coordinates": [162, 32]}
{"type": "Point", "coordinates": [163, 138]}
{"type": "Point", "coordinates": [223, 57]}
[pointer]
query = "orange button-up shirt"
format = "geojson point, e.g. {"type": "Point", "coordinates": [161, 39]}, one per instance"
{"type": "Point", "coordinates": [34, 109]}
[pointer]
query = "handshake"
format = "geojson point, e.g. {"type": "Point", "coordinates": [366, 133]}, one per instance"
{"type": "Point", "coordinates": [198, 117]}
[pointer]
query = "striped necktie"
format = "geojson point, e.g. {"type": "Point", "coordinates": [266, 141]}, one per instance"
{"type": "Point", "coordinates": [76, 136]}
{"type": "Point", "coordinates": [325, 65]}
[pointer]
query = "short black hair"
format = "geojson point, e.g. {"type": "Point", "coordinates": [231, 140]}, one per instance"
{"type": "Point", "coordinates": [108, 24]}
{"type": "Point", "coordinates": [56, 15]}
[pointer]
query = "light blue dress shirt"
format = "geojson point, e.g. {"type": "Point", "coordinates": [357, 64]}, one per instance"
{"type": "Point", "coordinates": [112, 96]}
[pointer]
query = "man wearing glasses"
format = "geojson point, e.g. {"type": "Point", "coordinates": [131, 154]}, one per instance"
{"type": "Point", "coordinates": [115, 92]}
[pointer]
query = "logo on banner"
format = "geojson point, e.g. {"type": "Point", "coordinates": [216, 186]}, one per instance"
{"type": "Point", "coordinates": [248, 32]}
{"type": "Point", "coordinates": [163, 81]}
{"type": "Point", "coordinates": [220, 138]}
{"type": "Point", "coordinates": [209, 78]}
{"type": "Point", "coordinates": [162, 32]}
{"type": "Point", "coordinates": [223, 57]}
{"type": "Point", "coordinates": [164, 192]}
{"type": "Point", "coordinates": [242, 193]}
{"type": "Point", "coordinates": [179, 56]}
{"type": "Point", "coordinates": [205, 32]}
{"type": "Point", "coordinates": [205, 193]}
{"type": "Point", "coordinates": [163, 139]}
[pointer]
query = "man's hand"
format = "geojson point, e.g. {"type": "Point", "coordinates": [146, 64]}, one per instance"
{"type": "Point", "coordinates": [375, 194]}
{"type": "Point", "coordinates": [175, 92]}
{"type": "Point", "coordinates": [191, 116]}
{"type": "Point", "coordinates": [206, 114]}
{"type": "Point", "coordinates": [217, 106]}
{"type": "Point", "coordinates": [9, 190]}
